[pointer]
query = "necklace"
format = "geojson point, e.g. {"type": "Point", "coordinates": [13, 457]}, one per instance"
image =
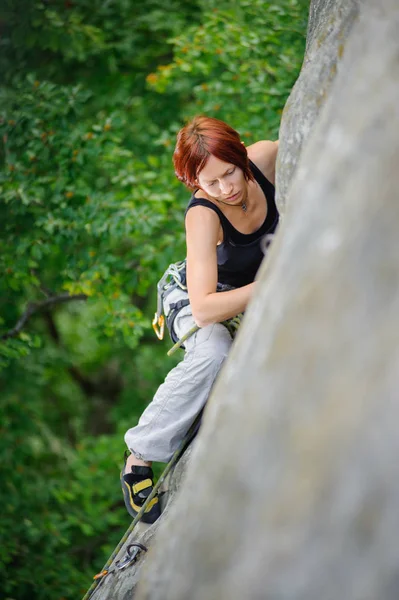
{"type": "Point", "coordinates": [243, 204]}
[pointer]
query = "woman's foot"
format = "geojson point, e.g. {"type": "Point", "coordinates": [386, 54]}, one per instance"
{"type": "Point", "coordinates": [131, 461]}
{"type": "Point", "coordinates": [137, 483]}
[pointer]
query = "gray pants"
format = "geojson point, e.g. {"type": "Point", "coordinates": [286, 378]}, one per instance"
{"type": "Point", "coordinates": [185, 390]}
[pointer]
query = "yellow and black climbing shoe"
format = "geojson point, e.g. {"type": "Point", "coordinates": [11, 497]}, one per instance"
{"type": "Point", "coordinates": [137, 486]}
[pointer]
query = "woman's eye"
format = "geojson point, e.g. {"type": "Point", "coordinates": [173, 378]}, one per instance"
{"type": "Point", "coordinates": [211, 184]}
{"type": "Point", "coordinates": [231, 171]}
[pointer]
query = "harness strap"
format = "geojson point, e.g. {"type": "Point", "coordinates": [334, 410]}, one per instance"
{"type": "Point", "coordinates": [174, 276]}
{"type": "Point", "coordinates": [172, 314]}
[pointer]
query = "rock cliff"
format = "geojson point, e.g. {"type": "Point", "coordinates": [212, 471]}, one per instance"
{"type": "Point", "coordinates": [291, 491]}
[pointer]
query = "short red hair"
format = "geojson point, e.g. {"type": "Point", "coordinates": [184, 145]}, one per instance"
{"type": "Point", "coordinates": [201, 138]}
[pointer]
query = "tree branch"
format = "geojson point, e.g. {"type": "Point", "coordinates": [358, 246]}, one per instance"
{"type": "Point", "coordinates": [35, 307]}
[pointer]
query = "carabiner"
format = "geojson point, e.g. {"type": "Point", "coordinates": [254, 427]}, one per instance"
{"type": "Point", "coordinates": [158, 322]}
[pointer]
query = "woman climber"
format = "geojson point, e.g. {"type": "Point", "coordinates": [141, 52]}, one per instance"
{"type": "Point", "coordinates": [231, 209]}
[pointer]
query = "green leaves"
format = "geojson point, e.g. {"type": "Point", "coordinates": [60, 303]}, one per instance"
{"type": "Point", "coordinates": [241, 60]}
{"type": "Point", "coordinates": [74, 201]}
{"type": "Point", "coordinates": [93, 95]}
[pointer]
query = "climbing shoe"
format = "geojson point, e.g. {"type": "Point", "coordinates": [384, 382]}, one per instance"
{"type": "Point", "coordinates": [137, 486]}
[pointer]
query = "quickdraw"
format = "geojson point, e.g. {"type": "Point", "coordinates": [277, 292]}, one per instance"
{"type": "Point", "coordinates": [134, 550]}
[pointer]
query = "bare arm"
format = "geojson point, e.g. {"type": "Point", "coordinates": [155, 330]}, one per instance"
{"type": "Point", "coordinates": [209, 306]}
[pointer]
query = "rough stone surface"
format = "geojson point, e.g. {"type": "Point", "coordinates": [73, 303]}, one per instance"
{"type": "Point", "coordinates": [121, 585]}
{"type": "Point", "coordinates": [292, 490]}
{"type": "Point", "coordinates": [330, 23]}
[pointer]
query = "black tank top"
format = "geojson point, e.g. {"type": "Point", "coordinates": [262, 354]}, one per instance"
{"type": "Point", "coordinates": [240, 254]}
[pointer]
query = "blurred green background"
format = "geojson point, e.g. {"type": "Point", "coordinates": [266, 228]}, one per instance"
{"type": "Point", "coordinates": [92, 95]}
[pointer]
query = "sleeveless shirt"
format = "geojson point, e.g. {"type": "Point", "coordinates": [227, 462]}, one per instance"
{"type": "Point", "coordinates": [240, 254]}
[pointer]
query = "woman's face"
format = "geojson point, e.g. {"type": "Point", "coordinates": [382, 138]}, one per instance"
{"type": "Point", "coordinates": [223, 181]}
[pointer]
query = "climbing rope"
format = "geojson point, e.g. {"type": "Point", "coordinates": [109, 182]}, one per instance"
{"type": "Point", "coordinates": [174, 276]}
{"type": "Point", "coordinates": [232, 326]}
{"type": "Point", "coordinates": [133, 550]}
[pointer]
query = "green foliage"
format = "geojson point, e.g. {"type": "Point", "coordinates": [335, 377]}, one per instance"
{"type": "Point", "coordinates": [73, 194]}
{"type": "Point", "coordinates": [58, 507]}
{"type": "Point", "coordinates": [239, 63]}
{"type": "Point", "coordinates": [93, 94]}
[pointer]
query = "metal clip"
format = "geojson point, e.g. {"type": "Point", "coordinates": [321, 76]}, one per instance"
{"type": "Point", "coordinates": [132, 553]}
{"type": "Point", "coordinates": [158, 322]}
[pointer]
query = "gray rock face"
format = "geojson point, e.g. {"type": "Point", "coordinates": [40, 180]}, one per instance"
{"type": "Point", "coordinates": [292, 491]}
{"type": "Point", "coordinates": [293, 488]}
{"type": "Point", "coordinates": [121, 584]}
{"type": "Point", "coordinates": [330, 23]}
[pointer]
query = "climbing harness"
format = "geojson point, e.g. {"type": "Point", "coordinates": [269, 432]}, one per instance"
{"type": "Point", "coordinates": [174, 278]}
{"type": "Point", "coordinates": [134, 550]}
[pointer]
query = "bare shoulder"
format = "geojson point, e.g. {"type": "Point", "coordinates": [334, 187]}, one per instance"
{"type": "Point", "coordinates": [201, 214]}
{"type": "Point", "coordinates": [202, 222]}
{"type": "Point", "coordinates": [263, 154]}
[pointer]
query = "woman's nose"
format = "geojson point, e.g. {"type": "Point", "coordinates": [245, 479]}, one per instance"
{"type": "Point", "coordinates": [225, 186]}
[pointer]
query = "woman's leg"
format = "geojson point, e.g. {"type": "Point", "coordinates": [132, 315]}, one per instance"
{"type": "Point", "coordinates": [183, 394]}
{"type": "Point", "coordinates": [173, 409]}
